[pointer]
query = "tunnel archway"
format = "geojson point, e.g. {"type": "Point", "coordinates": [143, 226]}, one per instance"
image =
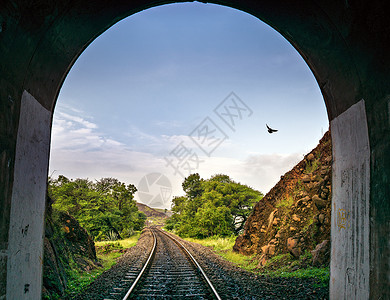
{"type": "Point", "coordinates": [346, 47]}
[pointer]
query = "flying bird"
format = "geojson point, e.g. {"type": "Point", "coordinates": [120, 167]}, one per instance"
{"type": "Point", "coordinates": [270, 130]}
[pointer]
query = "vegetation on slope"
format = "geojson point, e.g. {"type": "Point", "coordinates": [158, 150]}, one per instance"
{"type": "Point", "coordinates": [294, 217]}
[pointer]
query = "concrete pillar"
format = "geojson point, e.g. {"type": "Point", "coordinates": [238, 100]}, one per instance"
{"type": "Point", "coordinates": [350, 227]}
{"type": "Point", "coordinates": [9, 112]}
{"type": "Point", "coordinates": [25, 241]}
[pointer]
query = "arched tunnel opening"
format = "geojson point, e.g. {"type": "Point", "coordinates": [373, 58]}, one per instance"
{"type": "Point", "coordinates": [182, 63]}
{"type": "Point", "coordinates": [344, 44]}
{"type": "Point", "coordinates": [262, 67]}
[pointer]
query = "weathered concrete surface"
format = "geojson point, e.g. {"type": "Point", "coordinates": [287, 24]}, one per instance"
{"type": "Point", "coordinates": [345, 43]}
{"type": "Point", "coordinates": [350, 212]}
{"type": "Point", "coordinates": [25, 242]}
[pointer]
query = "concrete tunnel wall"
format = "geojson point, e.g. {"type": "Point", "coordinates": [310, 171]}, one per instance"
{"type": "Point", "coordinates": [346, 45]}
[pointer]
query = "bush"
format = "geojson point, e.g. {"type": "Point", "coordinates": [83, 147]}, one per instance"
{"type": "Point", "coordinates": [112, 236]}
{"type": "Point", "coordinates": [109, 247]}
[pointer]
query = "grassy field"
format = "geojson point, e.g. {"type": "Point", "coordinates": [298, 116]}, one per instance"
{"type": "Point", "coordinates": [279, 266]}
{"type": "Point", "coordinates": [107, 253]}
{"type": "Point", "coordinates": [78, 280]}
{"type": "Point", "coordinates": [125, 243]}
{"type": "Point", "coordinates": [224, 248]}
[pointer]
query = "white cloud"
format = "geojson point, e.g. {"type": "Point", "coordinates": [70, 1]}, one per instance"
{"type": "Point", "coordinates": [260, 171]}
{"type": "Point", "coordinates": [78, 120]}
{"type": "Point", "coordinates": [79, 149]}
{"type": "Point", "coordinates": [171, 124]}
{"type": "Point", "coordinates": [174, 140]}
{"type": "Point", "coordinates": [268, 168]}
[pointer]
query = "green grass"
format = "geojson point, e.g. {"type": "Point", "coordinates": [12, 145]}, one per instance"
{"type": "Point", "coordinates": [224, 248]}
{"type": "Point", "coordinates": [312, 166]}
{"type": "Point", "coordinates": [125, 243]}
{"type": "Point", "coordinates": [322, 275]}
{"type": "Point", "coordinates": [286, 202]}
{"type": "Point", "coordinates": [278, 266]}
{"type": "Point", "coordinates": [283, 265]}
{"type": "Point", "coordinates": [77, 280]}
{"type": "Point", "coordinates": [216, 242]}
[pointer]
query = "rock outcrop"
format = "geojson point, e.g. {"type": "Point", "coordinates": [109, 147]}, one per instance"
{"type": "Point", "coordinates": [66, 246]}
{"type": "Point", "coordinates": [294, 217]}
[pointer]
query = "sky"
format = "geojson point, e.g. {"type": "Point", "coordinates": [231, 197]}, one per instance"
{"type": "Point", "coordinates": [186, 88]}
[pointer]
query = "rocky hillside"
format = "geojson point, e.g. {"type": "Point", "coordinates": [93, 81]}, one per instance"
{"type": "Point", "coordinates": [67, 246]}
{"type": "Point", "coordinates": [294, 217]}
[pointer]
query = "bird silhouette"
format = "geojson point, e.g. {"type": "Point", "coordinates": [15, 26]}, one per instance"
{"type": "Point", "coordinates": [270, 130]}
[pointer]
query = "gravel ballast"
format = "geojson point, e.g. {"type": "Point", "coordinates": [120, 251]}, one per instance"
{"type": "Point", "coordinates": [230, 281]}
{"type": "Point", "coordinates": [134, 257]}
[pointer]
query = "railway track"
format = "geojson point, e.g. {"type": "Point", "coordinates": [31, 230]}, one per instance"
{"type": "Point", "coordinates": [170, 272]}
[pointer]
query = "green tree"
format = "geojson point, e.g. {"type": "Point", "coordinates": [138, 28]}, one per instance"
{"type": "Point", "coordinates": [217, 206]}
{"type": "Point", "coordinates": [104, 207]}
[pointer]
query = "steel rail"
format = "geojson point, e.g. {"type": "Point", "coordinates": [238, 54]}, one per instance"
{"type": "Point", "coordinates": [196, 264]}
{"type": "Point", "coordinates": [210, 285]}
{"type": "Point", "coordinates": [144, 268]}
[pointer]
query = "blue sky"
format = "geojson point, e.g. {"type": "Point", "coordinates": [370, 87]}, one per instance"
{"type": "Point", "coordinates": [142, 87]}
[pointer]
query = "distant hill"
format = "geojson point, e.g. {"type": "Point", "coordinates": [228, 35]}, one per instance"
{"type": "Point", "coordinates": [154, 216]}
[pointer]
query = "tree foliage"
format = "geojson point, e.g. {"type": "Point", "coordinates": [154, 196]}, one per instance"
{"type": "Point", "coordinates": [216, 206]}
{"type": "Point", "coordinates": [103, 208]}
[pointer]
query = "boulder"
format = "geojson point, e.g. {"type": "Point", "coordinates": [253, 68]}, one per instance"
{"type": "Point", "coordinates": [291, 243]}
{"type": "Point", "coordinates": [296, 218]}
{"type": "Point", "coordinates": [292, 247]}
{"type": "Point", "coordinates": [271, 249]}
{"type": "Point", "coordinates": [320, 203]}
{"type": "Point", "coordinates": [321, 218]}
{"type": "Point", "coordinates": [310, 157]}
{"type": "Point", "coordinates": [243, 245]}
{"type": "Point", "coordinates": [306, 178]}
{"type": "Point", "coordinates": [263, 260]}
{"type": "Point", "coordinates": [296, 252]}
{"type": "Point", "coordinates": [321, 254]}
{"type": "Point", "coordinates": [302, 201]}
